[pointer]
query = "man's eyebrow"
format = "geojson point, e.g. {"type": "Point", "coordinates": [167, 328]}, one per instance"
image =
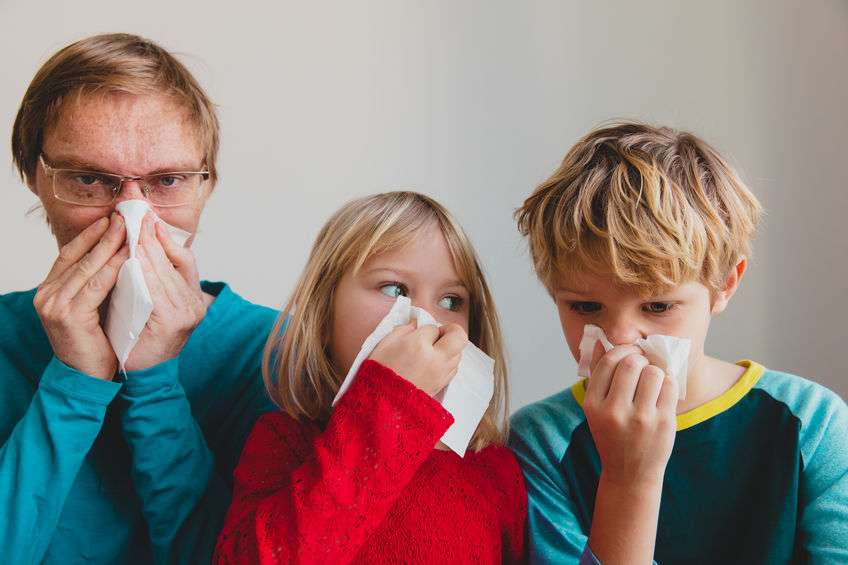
{"type": "Point", "coordinates": [81, 164]}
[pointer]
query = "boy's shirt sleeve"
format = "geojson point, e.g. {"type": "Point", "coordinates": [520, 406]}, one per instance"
{"type": "Point", "coordinates": [554, 532]}
{"type": "Point", "coordinates": [823, 524]}
{"type": "Point", "coordinates": [40, 460]}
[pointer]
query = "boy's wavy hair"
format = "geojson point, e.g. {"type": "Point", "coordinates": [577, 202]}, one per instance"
{"type": "Point", "coordinates": [651, 206]}
{"type": "Point", "coordinates": [297, 368]}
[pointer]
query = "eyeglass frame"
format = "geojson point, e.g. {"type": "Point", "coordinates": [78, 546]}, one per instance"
{"type": "Point", "coordinates": [143, 184]}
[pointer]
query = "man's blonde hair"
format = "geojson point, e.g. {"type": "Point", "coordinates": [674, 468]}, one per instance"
{"type": "Point", "coordinates": [297, 368]}
{"type": "Point", "coordinates": [108, 63]}
{"type": "Point", "coordinates": [651, 206]}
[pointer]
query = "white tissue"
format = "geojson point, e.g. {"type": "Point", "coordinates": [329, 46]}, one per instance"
{"type": "Point", "coordinates": [468, 394]}
{"type": "Point", "coordinates": [131, 305]}
{"type": "Point", "coordinates": [669, 353]}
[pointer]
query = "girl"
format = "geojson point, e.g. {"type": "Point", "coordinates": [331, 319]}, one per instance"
{"type": "Point", "coordinates": [367, 481]}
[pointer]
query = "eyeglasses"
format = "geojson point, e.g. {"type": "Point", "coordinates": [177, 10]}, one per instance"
{"type": "Point", "coordinates": [93, 188]}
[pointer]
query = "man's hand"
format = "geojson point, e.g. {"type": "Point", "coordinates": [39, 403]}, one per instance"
{"type": "Point", "coordinates": [170, 272]}
{"type": "Point", "coordinates": [69, 299]}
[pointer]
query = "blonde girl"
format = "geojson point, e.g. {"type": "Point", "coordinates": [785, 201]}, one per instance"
{"type": "Point", "coordinates": [367, 480]}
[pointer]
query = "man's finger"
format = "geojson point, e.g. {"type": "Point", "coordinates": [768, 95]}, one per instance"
{"type": "Point", "coordinates": [74, 250]}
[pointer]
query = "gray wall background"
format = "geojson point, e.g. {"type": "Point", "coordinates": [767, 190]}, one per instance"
{"type": "Point", "coordinates": [475, 102]}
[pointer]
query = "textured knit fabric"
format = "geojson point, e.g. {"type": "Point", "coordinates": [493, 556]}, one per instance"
{"type": "Point", "coordinates": [94, 471]}
{"type": "Point", "coordinates": [757, 475]}
{"type": "Point", "coordinates": [371, 488]}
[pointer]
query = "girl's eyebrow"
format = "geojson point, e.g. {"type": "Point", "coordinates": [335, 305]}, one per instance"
{"type": "Point", "coordinates": [410, 275]}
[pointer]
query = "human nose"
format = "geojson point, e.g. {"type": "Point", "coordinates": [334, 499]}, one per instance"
{"type": "Point", "coordinates": [622, 330]}
{"type": "Point", "coordinates": [131, 189]}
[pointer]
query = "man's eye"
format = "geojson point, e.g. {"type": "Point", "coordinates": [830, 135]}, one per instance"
{"type": "Point", "coordinates": [450, 303]}
{"type": "Point", "coordinates": [394, 290]}
{"type": "Point", "coordinates": [168, 181]}
{"type": "Point", "coordinates": [658, 307]}
{"type": "Point", "coordinates": [86, 179]}
{"type": "Point", "coordinates": [585, 307]}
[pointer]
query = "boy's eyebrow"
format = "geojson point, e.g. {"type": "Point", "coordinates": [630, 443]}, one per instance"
{"type": "Point", "coordinates": [572, 291]}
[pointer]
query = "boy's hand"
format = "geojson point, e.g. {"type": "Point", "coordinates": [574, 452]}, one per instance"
{"type": "Point", "coordinates": [630, 406]}
{"type": "Point", "coordinates": [427, 357]}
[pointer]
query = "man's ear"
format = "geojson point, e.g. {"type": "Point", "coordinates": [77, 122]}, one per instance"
{"type": "Point", "coordinates": [731, 284]}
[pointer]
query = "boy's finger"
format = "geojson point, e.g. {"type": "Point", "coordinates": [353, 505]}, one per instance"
{"type": "Point", "coordinates": [668, 395]}
{"type": "Point", "coordinates": [626, 379]}
{"type": "Point", "coordinates": [648, 389]}
{"type": "Point", "coordinates": [598, 385]}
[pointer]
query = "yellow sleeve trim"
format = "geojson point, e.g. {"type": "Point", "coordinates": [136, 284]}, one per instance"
{"type": "Point", "coordinates": [705, 411]}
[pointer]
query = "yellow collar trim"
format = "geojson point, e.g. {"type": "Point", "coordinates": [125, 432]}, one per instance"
{"type": "Point", "coordinates": [705, 411]}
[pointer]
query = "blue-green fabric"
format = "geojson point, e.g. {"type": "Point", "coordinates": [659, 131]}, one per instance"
{"type": "Point", "coordinates": [763, 481]}
{"type": "Point", "coordinates": [138, 471]}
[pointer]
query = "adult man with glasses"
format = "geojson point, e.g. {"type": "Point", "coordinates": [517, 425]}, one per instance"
{"type": "Point", "coordinates": [97, 466]}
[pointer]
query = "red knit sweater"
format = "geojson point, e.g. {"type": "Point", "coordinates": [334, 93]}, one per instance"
{"type": "Point", "coordinates": [370, 487]}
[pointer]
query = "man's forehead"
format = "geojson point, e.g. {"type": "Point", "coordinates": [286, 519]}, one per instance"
{"type": "Point", "coordinates": [128, 134]}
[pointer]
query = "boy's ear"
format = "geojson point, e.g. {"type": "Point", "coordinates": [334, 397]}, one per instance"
{"type": "Point", "coordinates": [731, 283]}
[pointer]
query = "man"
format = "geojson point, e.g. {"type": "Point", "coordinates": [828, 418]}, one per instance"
{"type": "Point", "coordinates": [98, 465]}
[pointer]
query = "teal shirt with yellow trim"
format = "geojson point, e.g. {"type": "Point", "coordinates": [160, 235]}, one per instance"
{"type": "Point", "coordinates": [757, 475]}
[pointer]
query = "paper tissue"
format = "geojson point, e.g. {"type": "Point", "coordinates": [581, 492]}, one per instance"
{"type": "Point", "coordinates": [468, 394]}
{"type": "Point", "coordinates": [669, 353]}
{"type": "Point", "coordinates": [131, 305]}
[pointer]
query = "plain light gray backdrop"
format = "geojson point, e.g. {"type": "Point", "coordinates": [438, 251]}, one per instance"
{"type": "Point", "coordinates": [475, 103]}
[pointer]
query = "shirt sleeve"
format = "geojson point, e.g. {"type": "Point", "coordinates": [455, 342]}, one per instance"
{"type": "Point", "coordinates": [554, 532]}
{"type": "Point", "coordinates": [41, 458]}
{"type": "Point", "coordinates": [823, 524]}
{"type": "Point", "coordinates": [184, 494]}
{"type": "Point", "coordinates": [304, 497]}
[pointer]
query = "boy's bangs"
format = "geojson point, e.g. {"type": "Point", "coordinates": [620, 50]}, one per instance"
{"type": "Point", "coordinates": [648, 271]}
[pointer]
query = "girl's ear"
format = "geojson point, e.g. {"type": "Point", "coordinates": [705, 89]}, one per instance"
{"type": "Point", "coordinates": [731, 284]}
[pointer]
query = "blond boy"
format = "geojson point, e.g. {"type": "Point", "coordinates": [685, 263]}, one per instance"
{"type": "Point", "coordinates": [640, 231]}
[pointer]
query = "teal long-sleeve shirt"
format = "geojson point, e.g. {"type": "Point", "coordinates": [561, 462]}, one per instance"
{"type": "Point", "coordinates": [758, 475]}
{"type": "Point", "coordinates": [94, 471]}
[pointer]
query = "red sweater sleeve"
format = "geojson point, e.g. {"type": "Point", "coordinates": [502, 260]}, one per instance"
{"type": "Point", "coordinates": [515, 535]}
{"type": "Point", "coordinates": [306, 496]}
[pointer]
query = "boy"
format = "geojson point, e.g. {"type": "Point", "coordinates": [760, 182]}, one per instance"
{"type": "Point", "coordinates": [642, 231]}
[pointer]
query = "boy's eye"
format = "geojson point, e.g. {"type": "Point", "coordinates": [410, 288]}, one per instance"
{"type": "Point", "coordinates": [585, 307]}
{"type": "Point", "coordinates": [657, 307]}
{"type": "Point", "coordinates": [394, 290]}
{"type": "Point", "coordinates": [450, 303]}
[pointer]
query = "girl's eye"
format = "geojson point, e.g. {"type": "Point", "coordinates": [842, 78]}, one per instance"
{"type": "Point", "coordinates": [658, 307]}
{"type": "Point", "coordinates": [450, 303]}
{"type": "Point", "coordinates": [394, 290]}
{"type": "Point", "coordinates": [585, 307]}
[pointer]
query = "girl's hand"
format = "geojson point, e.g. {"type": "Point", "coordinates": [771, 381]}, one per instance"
{"type": "Point", "coordinates": [630, 406]}
{"type": "Point", "coordinates": [427, 356]}
{"type": "Point", "coordinates": [68, 301]}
